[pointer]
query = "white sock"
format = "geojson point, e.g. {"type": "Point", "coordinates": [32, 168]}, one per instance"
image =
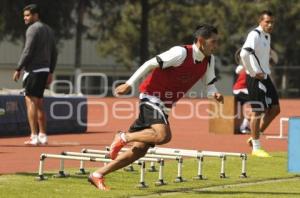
{"type": "Point", "coordinates": [97, 175]}
{"type": "Point", "coordinates": [42, 134]}
{"type": "Point", "coordinates": [255, 144]}
{"type": "Point", "coordinates": [34, 136]}
{"type": "Point", "coordinates": [123, 137]}
{"type": "Point", "coordinates": [245, 123]}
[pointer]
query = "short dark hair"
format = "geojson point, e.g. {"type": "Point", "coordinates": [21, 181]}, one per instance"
{"type": "Point", "coordinates": [205, 31]}
{"type": "Point", "coordinates": [264, 12]}
{"type": "Point", "coordinates": [32, 8]}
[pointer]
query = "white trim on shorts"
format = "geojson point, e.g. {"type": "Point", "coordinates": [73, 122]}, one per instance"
{"type": "Point", "coordinates": [158, 109]}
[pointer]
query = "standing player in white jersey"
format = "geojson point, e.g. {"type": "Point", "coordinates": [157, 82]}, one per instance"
{"type": "Point", "coordinates": [174, 72]}
{"type": "Point", "coordinates": [255, 56]}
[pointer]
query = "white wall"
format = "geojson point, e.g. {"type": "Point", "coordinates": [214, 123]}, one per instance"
{"type": "Point", "coordinates": [91, 61]}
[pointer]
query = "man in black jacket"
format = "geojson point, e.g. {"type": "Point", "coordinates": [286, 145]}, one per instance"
{"type": "Point", "coordinates": [38, 60]}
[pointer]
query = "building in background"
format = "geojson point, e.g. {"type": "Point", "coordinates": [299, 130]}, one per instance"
{"type": "Point", "coordinates": [93, 63]}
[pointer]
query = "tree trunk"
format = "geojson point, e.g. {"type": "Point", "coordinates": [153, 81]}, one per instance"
{"type": "Point", "coordinates": [144, 51]}
{"type": "Point", "coordinates": [80, 11]}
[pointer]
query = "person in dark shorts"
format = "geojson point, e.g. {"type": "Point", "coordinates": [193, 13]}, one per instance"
{"type": "Point", "coordinates": [255, 56]}
{"type": "Point", "coordinates": [38, 60]}
{"type": "Point", "coordinates": [240, 92]}
{"type": "Point", "coordinates": [174, 72]}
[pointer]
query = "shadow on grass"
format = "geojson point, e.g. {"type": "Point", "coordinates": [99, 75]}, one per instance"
{"type": "Point", "coordinates": [55, 175]}
{"type": "Point", "coordinates": [255, 193]}
{"type": "Point", "coordinates": [217, 193]}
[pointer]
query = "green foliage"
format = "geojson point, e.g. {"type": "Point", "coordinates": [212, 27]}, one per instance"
{"type": "Point", "coordinates": [119, 33]}
{"type": "Point", "coordinates": [117, 24]}
{"type": "Point", "coordinates": [55, 13]}
{"type": "Point", "coordinates": [286, 35]}
{"type": "Point", "coordinates": [172, 23]}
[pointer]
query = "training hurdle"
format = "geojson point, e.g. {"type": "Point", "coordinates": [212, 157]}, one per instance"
{"type": "Point", "coordinates": [160, 161]}
{"type": "Point", "coordinates": [179, 159]}
{"type": "Point", "coordinates": [97, 158]}
{"type": "Point", "coordinates": [154, 155]}
{"type": "Point", "coordinates": [142, 183]}
{"type": "Point", "coordinates": [61, 172]}
{"type": "Point", "coordinates": [280, 136]}
{"type": "Point", "coordinates": [199, 155]}
{"type": "Point", "coordinates": [223, 156]}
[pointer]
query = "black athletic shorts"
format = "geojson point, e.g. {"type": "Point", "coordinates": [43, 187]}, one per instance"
{"type": "Point", "coordinates": [262, 93]}
{"type": "Point", "coordinates": [35, 84]}
{"type": "Point", "coordinates": [150, 113]}
{"type": "Point", "coordinates": [242, 98]}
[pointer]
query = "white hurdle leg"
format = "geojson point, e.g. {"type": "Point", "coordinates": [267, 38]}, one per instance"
{"type": "Point", "coordinates": [222, 173]}
{"type": "Point", "coordinates": [41, 176]}
{"type": "Point", "coordinates": [160, 180]}
{"type": "Point", "coordinates": [81, 168]}
{"type": "Point", "coordinates": [244, 159]}
{"type": "Point", "coordinates": [199, 175]}
{"type": "Point", "coordinates": [61, 172]}
{"type": "Point", "coordinates": [142, 183]}
{"type": "Point", "coordinates": [179, 177]}
{"type": "Point", "coordinates": [152, 167]}
{"type": "Point", "coordinates": [82, 171]}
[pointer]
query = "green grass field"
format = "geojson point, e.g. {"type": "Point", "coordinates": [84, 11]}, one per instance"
{"type": "Point", "coordinates": [268, 177]}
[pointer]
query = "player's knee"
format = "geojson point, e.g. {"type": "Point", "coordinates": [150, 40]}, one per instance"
{"type": "Point", "coordinates": [140, 151]}
{"type": "Point", "coordinates": [275, 111]}
{"type": "Point", "coordinates": [167, 138]}
{"type": "Point", "coordinates": [163, 138]}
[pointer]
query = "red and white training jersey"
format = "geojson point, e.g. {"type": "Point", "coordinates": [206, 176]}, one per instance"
{"type": "Point", "coordinates": [171, 83]}
{"type": "Point", "coordinates": [240, 84]}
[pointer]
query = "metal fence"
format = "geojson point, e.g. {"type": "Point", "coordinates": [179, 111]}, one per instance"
{"type": "Point", "coordinates": [287, 80]}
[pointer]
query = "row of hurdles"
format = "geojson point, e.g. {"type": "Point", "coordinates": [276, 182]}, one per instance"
{"type": "Point", "coordinates": [154, 155]}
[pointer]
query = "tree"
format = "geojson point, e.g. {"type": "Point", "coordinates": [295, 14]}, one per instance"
{"type": "Point", "coordinates": [171, 22]}
{"type": "Point", "coordinates": [144, 52]}
{"type": "Point", "coordinates": [55, 13]}
{"type": "Point", "coordinates": [117, 31]}
{"type": "Point", "coordinates": [131, 31]}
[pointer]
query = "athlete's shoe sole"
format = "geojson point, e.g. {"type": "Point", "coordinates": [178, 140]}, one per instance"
{"type": "Point", "coordinates": [98, 183]}
{"type": "Point", "coordinates": [260, 153]}
{"type": "Point", "coordinates": [30, 142]}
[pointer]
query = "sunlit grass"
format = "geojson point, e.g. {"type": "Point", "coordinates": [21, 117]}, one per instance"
{"type": "Point", "coordinates": [123, 184]}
